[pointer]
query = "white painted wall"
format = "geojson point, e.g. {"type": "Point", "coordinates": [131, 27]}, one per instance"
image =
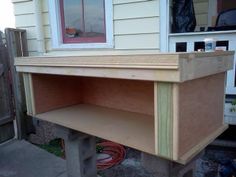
{"type": "Point", "coordinates": [136, 24]}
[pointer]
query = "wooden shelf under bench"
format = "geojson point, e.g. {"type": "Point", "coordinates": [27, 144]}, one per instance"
{"type": "Point", "coordinates": [129, 128]}
{"type": "Point", "coordinates": [169, 105]}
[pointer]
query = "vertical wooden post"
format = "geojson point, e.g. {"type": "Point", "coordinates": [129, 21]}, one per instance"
{"type": "Point", "coordinates": [17, 47]}
{"type": "Point", "coordinates": [6, 105]}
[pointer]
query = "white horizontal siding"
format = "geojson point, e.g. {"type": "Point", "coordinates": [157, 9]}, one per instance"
{"type": "Point", "coordinates": [31, 32]}
{"type": "Point", "coordinates": [28, 20]}
{"type": "Point", "coordinates": [144, 41]}
{"type": "Point", "coordinates": [136, 23]}
{"type": "Point", "coordinates": [136, 26]}
{"type": "Point", "coordinates": [136, 10]}
{"type": "Point", "coordinates": [27, 7]}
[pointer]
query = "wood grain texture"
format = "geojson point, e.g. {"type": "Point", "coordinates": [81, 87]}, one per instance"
{"type": "Point", "coordinates": [184, 159]}
{"type": "Point", "coordinates": [178, 67]}
{"type": "Point", "coordinates": [131, 129]}
{"type": "Point", "coordinates": [200, 110]}
{"type": "Point", "coordinates": [29, 95]}
{"type": "Point", "coordinates": [128, 95]}
{"type": "Point", "coordinates": [175, 121]}
{"type": "Point", "coordinates": [53, 92]}
{"type": "Point", "coordinates": [165, 119]}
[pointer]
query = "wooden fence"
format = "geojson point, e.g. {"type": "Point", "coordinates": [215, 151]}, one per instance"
{"type": "Point", "coordinates": [12, 98]}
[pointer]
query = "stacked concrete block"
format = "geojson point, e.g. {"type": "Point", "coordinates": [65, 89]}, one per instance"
{"type": "Point", "coordinates": [80, 151]}
{"type": "Point", "coordinates": [159, 167]}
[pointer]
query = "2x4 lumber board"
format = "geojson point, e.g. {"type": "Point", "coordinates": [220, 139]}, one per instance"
{"type": "Point", "coordinates": [175, 121]}
{"type": "Point", "coordinates": [29, 94]}
{"type": "Point", "coordinates": [131, 74]}
{"type": "Point", "coordinates": [114, 61]}
{"type": "Point", "coordinates": [147, 61]}
{"type": "Point", "coordinates": [164, 119]}
{"type": "Point", "coordinates": [131, 129]}
{"type": "Point", "coordinates": [177, 67]}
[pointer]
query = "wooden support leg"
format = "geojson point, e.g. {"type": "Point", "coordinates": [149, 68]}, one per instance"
{"type": "Point", "coordinates": [164, 168]}
{"type": "Point", "coordinates": [80, 151]}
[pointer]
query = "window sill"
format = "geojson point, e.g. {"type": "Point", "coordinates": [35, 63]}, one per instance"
{"type": "Point", "coordinates": [82, 46]}
{"type": "Point", "coordinates": [202, 33]}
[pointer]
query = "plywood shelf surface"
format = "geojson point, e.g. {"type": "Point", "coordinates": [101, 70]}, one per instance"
{"type": "Point", "coordinates": [128, 128]}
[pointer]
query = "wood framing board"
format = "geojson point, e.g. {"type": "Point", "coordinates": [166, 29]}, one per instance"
{"type": "Point", "coordinates": [29, 93]}
{"type": "Point", "coordinates": [131, 129]}
{"type": "Point", "coordinates": [175, 121]}
{"type": "Point", "coordinates": [178, 67]}
{"type": "Point", "coordinates": [131, 74]}
{"type": "Point", "coordinates": [164, 119]}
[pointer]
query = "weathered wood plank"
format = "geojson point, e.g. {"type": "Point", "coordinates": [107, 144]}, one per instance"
{"type": "Point", "coordinates": [6, 107]}
{"type": "Point", "coordinates": [17, 46]}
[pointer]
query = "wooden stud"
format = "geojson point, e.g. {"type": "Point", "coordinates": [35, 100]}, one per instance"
{"type": "Point", "coordinates": [165, 119]}
{"type": "Point", "coordinates": [30, 103]}
{"type": "Point", "coordinates": [175, 121]}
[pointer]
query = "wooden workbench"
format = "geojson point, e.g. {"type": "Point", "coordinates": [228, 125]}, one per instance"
{"type": "Point", "coordinates": [169, 105]}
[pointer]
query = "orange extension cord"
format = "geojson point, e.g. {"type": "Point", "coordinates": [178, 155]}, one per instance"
{"type": "Point", "coordinates": [116, 154]}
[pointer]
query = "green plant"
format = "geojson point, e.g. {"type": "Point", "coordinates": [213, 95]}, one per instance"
{"type": "Point", "coordinates": [233, 108]}
{"type": "Point", "coordinates": [53, 147]}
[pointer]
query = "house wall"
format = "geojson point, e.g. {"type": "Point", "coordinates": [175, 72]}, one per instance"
{"type": "Point", "coordinates": [136, 24]}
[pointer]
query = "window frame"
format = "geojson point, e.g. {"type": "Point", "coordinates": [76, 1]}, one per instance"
{"type": "Point", "coordinates": [56, 35]}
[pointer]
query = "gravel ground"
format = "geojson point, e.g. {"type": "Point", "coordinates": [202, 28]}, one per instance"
{"type": "Point", "coordinates": [130, 167]}
{"type": "Point", "coordinates": [207, 166]}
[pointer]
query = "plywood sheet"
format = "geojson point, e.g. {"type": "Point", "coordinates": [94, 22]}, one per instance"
{"type": "Point", "coordinates": [129, 95]}
{"type": "Point", "coordinates": [127, 128]}
{"type": "Point", "coordinates": [200, 110]}
{"type": "Point", "coordinates": [52, 92]}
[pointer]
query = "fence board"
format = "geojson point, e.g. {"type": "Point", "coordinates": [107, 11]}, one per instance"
{"type": "Point", "coordinates": [17, 47]}
{"type": "Point", "coordinates": [6, 106]}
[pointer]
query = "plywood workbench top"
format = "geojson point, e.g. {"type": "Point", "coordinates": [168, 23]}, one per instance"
{"type": "Point", "coordinates": [175, 67]}
{"type": "Point", "coordinates": [168, 105]}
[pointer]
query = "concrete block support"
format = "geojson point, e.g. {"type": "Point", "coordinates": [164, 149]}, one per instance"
{"type": "Point", "coordinates": [80, 151]}
{"type": "Point", "coordinates": [159, 167]}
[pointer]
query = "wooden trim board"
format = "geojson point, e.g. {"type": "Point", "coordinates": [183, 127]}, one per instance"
{"type": "Point", "coordinates": [178, 67]}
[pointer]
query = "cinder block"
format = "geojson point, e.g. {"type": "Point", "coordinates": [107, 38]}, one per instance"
{"type": "Point", "coordinates": [80, 151]}
{"type": "Point", "coordinates": [159, 167]}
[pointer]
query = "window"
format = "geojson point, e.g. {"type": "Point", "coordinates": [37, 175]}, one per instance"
{"type": "Point", "coordinates": [81, 23]}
